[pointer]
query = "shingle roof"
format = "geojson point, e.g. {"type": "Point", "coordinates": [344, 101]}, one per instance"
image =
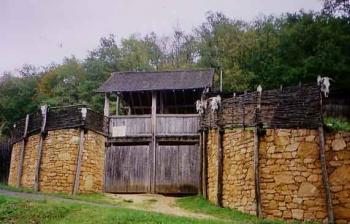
{"type": "Point", "coordinates": [166, 80]}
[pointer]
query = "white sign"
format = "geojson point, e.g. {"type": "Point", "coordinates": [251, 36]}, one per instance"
{"type": "Point", "coordinates": [119, 131]}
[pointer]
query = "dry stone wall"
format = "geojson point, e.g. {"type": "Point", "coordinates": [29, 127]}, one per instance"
{"type": "Point", "coordinates": [14, 164]}
{"type": "Point", "coordinates": [290, 175]}
{"type": "Point", "coordinates": [29, 161]}
{"type": "Point", "coordinates": [92, 168]}
{"type": "Point", "coordinates": [59, 162]}
{"type": "Point", "coordinates": [212, 165]}
{"type": "Point", "coordinates": [338, 155]}
{"type": "Point", "coordinates": [291, 184]}
{"type": "Point", "coordinates": [238, 174]}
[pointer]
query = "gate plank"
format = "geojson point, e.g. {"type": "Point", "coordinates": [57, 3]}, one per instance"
{"type": "Point", "coordinates": [127, 169]}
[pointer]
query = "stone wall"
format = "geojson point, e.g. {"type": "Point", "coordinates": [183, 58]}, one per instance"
{"type": "Point", "coordinates": [59, 161]}
{"type": "Point", "coordinates": [238, 174]}
{"type": "Point", "coordinates": [14, 164]}
{"type": "Point", "coordinates": [92, 168]}
{"type": "Point", "coordinates": [290, 175]}
{"type": "Point", "coordinates": [338, 156]}
{"type": "Point", "coordinates": [291, 184]}
{"type": "Point", "coordinates": [212, 165]}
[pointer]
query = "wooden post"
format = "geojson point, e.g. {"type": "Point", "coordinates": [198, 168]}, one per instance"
{"type": "Point", "coordinates": [117, 104]}
{"type": "Point", "coordinates": [21, 153]}
{"type": "Point", "coordinates": [325, 181]}
{"type": "Point", "coordinates": [78, 162]}
{"type": "Point", "coordinates": [256, 154]}
{"type": "Point", "coordinates": [161, 103]}
{"type": "Point", "coordinates": [106, 107]}
{"type": "Point", "coordinates": [200, 190]}
{"type": "Point", "coordinates": [40, 147]}
{"type": "Point", "coordinates": [219, 176]}
{"type": "Point", "coordinates": [205, 169]}
{"type": "Point", "coordinates": [154, 143]}
{"type": "Point", "coordinates": [80, 154]}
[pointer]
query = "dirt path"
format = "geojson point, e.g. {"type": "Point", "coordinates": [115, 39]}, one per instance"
{"type": "Point", "coordinates": [156, 203]}
{"type": "Point", "coordinates": [145, 202]}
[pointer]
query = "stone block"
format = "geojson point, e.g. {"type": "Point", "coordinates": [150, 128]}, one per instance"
{"type": "Point", "coordinates": [308, 150]}
{"type": "Point", "coordinates": [307, 189]}
{"type": "Point", "coordinates": [298, 214]}
{"type": "Point", "coordinates": [338, 144]}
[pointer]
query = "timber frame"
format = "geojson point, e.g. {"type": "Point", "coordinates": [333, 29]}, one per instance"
{"type": "Point", "coordinates": [154, 115]}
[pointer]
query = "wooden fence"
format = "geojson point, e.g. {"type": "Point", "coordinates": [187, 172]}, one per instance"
{"type": "Point", "coordinates": [5, 159]}
{"type": "Point", "coordinates": [60, 118]}
{"type": "Point", "coordinates": [290, 107]}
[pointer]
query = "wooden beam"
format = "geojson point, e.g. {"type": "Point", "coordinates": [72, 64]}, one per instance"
{"type": "Point", "coordinates": [117, 105]}
{"type": "Point", "coordinates": [106, 107]}
{"type": "Point", "coordinates": [78, 162]}
{"type": "Point", "coordinates": [219, 176]}
{"type": "Point", "coordinates": [140, 101]}
{"type": "Point", "coordinates": [161, 103]}
{"type": "Point", "coordinates": [175, 102]}
{"type": "Point", "coordinates": [40, 148]}
{"type": "Point", "coordinates": [21, 153]}
{"type": "Point", "coordinates": [201, 163]}
{"type": "Point", "coordinates": [324, 170]}
{"type": "Point", "coordinates": [256, 157]}
{"type": "Point", "coordinates": [132, 104]}
{"type": "Point", "coordinates": [154, 143]}
{"type": "Point", "coordinates": [205, 162]}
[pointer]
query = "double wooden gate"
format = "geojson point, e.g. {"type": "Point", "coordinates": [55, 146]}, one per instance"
{"type": "Point", "coordinates": [167, 163]}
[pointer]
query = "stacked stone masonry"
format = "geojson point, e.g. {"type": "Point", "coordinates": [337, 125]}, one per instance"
{"type": "Point", "coordinates": [212, 165]}
{"type": "Point", "coordinates": [238, 173]}
{"type": "Point", "coordinates": [59, 162]}
{"type": "Point", "coordinates": [291, 184]}
{"type": "Point", "coordinates": [338, 156]}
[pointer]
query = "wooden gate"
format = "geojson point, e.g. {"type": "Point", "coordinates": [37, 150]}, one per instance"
{"type": "Point", "coordinates": [177, 169]}
{"type": "Point", "coordinates": [163, 161]}
{"type": "Point", "coordinates": [127, 169]}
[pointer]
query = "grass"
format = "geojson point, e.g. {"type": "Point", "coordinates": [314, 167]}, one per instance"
{"type": "Point", "coordinates": [15, 189]}
{"type": "Point", "coordinates": [93, 197]}
{"type": "Point", "coordinates": [336, 124]}
{"type": "Point", "coordinates": [13, 210]}
{"type": "Point", "coordinates": [198, 204]}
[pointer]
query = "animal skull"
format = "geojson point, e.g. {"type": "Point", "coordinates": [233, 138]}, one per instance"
{"type": "Point", "coordinates": [201, 106]}
{"type": "Point", "coordinates": [324, 83]}
{"type": "Point", "coordinates": [215, 103]}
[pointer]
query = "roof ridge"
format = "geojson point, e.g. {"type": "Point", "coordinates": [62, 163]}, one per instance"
{"type": "Point", "coordinates": [163, 71]}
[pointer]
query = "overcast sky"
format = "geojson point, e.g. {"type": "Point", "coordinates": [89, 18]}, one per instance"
{"type": "Point", "coordinates": [39, 32]}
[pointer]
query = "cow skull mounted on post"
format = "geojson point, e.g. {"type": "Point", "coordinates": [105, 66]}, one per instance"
{"type": "Point", "coordinates": [324, 83]}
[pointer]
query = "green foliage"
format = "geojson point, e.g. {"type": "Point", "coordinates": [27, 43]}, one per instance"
{"type": "Point", "coordinates": [270, 51]}
{"type": "Point", "coordinates": [337, 124]}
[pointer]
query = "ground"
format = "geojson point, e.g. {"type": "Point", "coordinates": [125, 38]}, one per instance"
{"type": "Point", "coordinates": [30, 207]}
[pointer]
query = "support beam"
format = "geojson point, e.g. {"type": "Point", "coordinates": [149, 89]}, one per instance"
{"type": "Point", "coordinates": [324, 170]}
{"type": "Point", "coordinates": [132, 104]}
{"type": "Point", "coordinates": [219, 176]}
{"type": "Point", "coordinates": [161, 103]}
{"type": "Point", "coordinates": [256, 155]}
{"type": "Point", "coordinates": [40, 147]}
{"type": "Point", "coordinates": [117, 105]}
{"type": "Point", "coordinates": [106, 107]}
{"type": "Point", "coordinates": [200, 188]}
{"type": "Point", "coordinates": [79, 161]}
{"type": "Point", "coordinates": [21, 153]}
{"type": "Point", "coordinates": [154, 144]}
{"type": "Point", "coordinates": [205, 164]}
